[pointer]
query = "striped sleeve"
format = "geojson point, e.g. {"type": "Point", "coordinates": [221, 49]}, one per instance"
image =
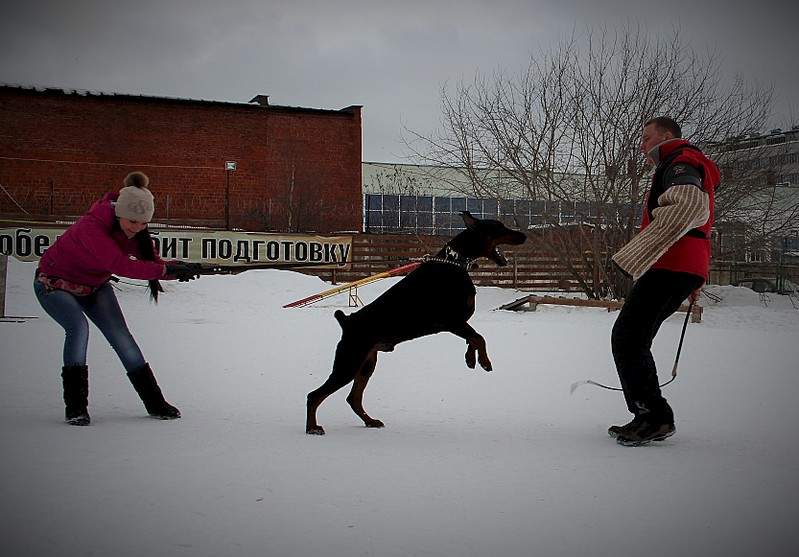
{"type": "Point", "coordinates": [680, 208]}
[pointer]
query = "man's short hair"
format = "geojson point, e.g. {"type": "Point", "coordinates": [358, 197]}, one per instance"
{"type": "Point", "coordinates": [666, 124]}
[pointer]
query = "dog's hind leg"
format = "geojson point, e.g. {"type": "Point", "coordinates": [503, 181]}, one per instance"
{"type": "Point", "coordinates": [347, 363]}
{"type": "Point", "coordinates": [475, 343]}
{"type": "Point", "coordinates": [355, 398]}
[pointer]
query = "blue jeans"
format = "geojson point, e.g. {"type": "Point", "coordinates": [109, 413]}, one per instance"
{"type": "Point", "coordinates": [102, 308]}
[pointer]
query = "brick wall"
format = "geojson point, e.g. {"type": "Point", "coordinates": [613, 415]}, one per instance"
{"type": "Point", "coordinates": [297, 168]}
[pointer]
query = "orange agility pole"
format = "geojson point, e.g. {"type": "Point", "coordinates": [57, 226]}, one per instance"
{"type": "Point", "coordinates": [333, 291]}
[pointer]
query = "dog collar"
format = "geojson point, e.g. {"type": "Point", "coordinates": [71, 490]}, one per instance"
{"type": "Point", "coordinates": [451, 257]}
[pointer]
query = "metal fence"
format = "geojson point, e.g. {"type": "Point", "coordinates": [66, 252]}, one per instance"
{"type": "Point", "coordinates": [433, 215]}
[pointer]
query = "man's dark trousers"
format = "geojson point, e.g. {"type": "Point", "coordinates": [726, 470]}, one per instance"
{"type": "Point", "coordinates": [656, 295]}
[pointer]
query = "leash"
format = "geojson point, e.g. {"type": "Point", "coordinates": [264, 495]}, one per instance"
{"type": "Point", "coordinates": [577, 384]}
{"type": "Point", "coordinates": [213, 269]}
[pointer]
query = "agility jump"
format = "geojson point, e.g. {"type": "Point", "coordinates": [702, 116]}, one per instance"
{"type": "Point", "coordinates": [404, 269]}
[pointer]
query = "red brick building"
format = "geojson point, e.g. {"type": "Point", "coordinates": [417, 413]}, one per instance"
{"type": "Point", "coordinates": [297, 169]}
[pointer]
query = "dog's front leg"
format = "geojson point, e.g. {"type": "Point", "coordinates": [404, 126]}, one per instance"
{"type": "Point", "coordinates": [475, 343]}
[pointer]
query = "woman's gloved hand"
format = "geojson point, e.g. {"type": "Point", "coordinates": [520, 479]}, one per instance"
{"type": "Point", "coordinates": [183, 271]}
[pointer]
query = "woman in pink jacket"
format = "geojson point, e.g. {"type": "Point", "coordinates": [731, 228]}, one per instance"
{"type": "Point", "coordinates": [72, 283]}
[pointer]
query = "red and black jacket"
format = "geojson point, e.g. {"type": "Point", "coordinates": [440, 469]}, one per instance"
{"type": "Point", "coordinates": [682, 163]}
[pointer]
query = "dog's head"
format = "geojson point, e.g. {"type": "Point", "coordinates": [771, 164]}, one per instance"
{"type": "Point", "coordinates": [482, 238]}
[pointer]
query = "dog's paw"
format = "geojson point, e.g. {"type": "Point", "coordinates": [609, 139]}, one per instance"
{"type": "Point", "coordinates": [315, 430]}
{"type": "Point", "coordinates": [471, 361]}
{"type": "Point", "coordinates": [375, 423]}
{"type": "Point", "coordinates": [486, 364]}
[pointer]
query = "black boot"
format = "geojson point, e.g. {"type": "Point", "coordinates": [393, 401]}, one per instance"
{"type": "Point", "coordinates": [76, 394]}
{"type": "Point", "coordinates": [616, 430]}
{"type": "Point", "coordinates": [646, 432]}
{"type": "Point", "coordinates": [149, 392]}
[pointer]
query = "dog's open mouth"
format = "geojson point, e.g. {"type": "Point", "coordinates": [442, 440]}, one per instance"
{"type": "Point", "coordinates": [499, 258]}
{"type": "Point", "coordinates": [514, 239]}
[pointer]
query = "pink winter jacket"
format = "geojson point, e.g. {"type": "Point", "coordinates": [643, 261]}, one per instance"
{"type": "Point", "coordinates": [92, 249]}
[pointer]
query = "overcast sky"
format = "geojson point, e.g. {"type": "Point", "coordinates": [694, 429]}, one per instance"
{"type": "Point", "coordinates": [391, 57]}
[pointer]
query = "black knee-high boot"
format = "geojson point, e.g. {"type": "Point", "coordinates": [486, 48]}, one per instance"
{"type": "Point", "coordinates": [76, 394]}
{"type": "Point", "coordinates": [147, 388]}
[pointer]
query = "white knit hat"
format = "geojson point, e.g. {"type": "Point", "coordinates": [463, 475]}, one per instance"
{"type": "Point", "coordinates": [135, 201]}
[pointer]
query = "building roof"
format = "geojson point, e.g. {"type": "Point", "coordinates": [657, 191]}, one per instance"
{"type": "Point", "coordinates": [776, 136]}
{"type": "Point", "coordinates": [445, 181]}
{"type": "Point", "coordinates": [257, 103]}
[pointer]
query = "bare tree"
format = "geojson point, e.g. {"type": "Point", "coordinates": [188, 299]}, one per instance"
{"type": "Point", "coordinates": [568, 128]}
{"type": "Point", "coordinates": [391, 179]}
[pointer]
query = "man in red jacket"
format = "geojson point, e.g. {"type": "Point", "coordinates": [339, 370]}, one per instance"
{"type": "Point", "coordinates": [669, 261]}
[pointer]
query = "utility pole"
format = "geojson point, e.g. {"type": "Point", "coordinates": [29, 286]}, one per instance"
{"type": "Point", "coordinates": [230, 166]}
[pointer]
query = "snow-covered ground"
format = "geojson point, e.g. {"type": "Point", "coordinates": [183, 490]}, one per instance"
{"type": "Point", "coordinates": [506, 463]}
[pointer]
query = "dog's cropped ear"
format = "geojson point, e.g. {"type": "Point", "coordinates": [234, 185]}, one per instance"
{"type": "Point", "coordinates": [470, 221]}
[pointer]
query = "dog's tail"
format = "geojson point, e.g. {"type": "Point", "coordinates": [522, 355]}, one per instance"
{"type": "Point", "coordinates": [341, 318]}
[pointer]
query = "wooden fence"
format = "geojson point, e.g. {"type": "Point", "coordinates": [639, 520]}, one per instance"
{"type": "Point", "coordinates": [529, 266]}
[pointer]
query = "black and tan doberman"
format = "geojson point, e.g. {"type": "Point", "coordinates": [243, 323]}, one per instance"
{"type": "Point", "coordinates": [437, 296]}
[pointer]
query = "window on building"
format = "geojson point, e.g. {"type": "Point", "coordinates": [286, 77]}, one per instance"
{"type": "Point", "coordinates": [424, 204]}
{"type": "Point", "coordinates": [585, 212]}
{"type": "Point", "coordinates": [391, 213]}
{"type": "Point", "coordinates": [490, 209]}
{"type": "Point", "coordinates": [567, 212]}
{"type": "Point", "coordinates": [475, 207]}
{"type": "Point", "coordinates": [538, 213]}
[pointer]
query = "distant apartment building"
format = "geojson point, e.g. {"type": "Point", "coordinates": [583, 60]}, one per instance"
{"type": "Point", "coordinates": [774, 155]}
{"type": "Point", "coordinates": [768, 165]}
